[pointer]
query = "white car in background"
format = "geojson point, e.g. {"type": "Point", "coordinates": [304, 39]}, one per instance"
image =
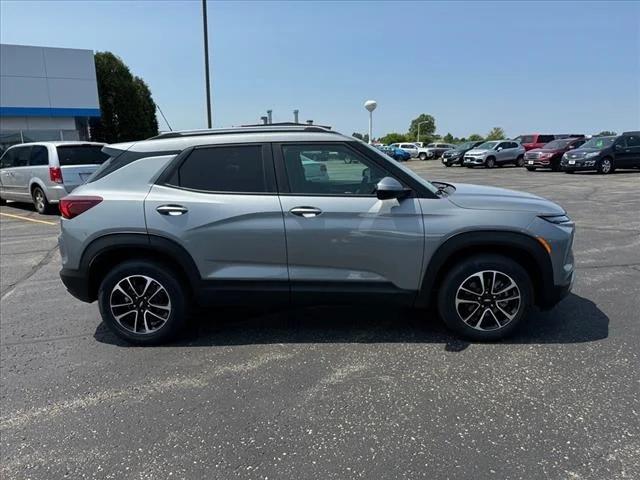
{"type": "Point", "coordinates": [44, 172]}
{"type": "Point", "coordinates": [314, 171]}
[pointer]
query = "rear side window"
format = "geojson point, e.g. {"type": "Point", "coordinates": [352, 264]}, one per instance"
{"type": "Point", "coordinates": [70, 155]}
{"type": "Point", "coordinates": [545, 138]}
{"type": "Point", "coordinates": [39, 156]}
{"type": "Point", "coordinates": [237, 169]}
{"type": "Point", "coordinates": [121, 158]}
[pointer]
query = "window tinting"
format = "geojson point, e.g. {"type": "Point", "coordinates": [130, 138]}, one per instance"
{"type": "Point", "coordinates": [8, 158]}
{"type": "Point", "coordinates": [343, 173]}
{"type": "Point", "coordinates": [545, 138]}
{"type": "Point", "coordinates": [81, 155]}
{"type": "Point", "coordinates": [39, 156]}
{"type": "Point", "coordinates": [223, 169]}
{"type": "Point", "coordinates": [22, 156]}
{"type": "Point", "coordinates": [633, 140]}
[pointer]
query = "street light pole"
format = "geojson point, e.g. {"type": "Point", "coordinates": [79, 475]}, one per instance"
{"type": "Point", "coordinates": [206, 61]}
{"type": "Point", "coordinates": [426, 121]}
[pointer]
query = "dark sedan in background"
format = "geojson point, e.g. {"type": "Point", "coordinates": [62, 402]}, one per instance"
{"type": "Point", "coordinates": [455, 156]}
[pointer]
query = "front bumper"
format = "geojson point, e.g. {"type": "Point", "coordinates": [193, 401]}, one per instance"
{"type": "Point", "coordinates": [473, 161]}
{"type": "Point", "coordinates": [552, 296]}
{"type": "Point", "coordinates": [452, 160]}
{"type": "Point", "coordinates": [581, 164]}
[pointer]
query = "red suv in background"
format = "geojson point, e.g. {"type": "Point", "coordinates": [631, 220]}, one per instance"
{"type": "Point", "coordinates": [550, 155]}
{"type": "Point", "coordinates": [534, 140]}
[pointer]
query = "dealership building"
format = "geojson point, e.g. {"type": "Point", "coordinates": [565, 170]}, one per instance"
{"type": "Point", "coordinates": [46, 94]}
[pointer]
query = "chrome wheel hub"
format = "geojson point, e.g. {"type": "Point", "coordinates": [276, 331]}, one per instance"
{"type": "Point", "coordinates": [488, 300]}
{"type": "Point", "coordinates": [606, 166]}
{"type": "Point", "coordinates": [140, 304]}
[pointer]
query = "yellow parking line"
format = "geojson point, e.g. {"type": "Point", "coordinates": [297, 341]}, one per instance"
{"type": "Point", "coordinates": [27, 219]}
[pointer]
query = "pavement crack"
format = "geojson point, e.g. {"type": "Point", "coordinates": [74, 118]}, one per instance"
{"type": "Point", "coordinates": [43, 261]}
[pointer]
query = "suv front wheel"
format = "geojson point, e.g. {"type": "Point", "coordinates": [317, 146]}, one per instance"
{"type": "Point", "coordinates": [485, 297]}
{"type": "Point", "coordinates": [142, 302]}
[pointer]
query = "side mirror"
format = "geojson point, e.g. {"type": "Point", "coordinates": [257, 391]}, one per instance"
{"type": "Point", "coordinates": [389, 188]}
{"type": "Point", "coordinates": [499, 149]}
{"type": "Point", "coordinates": [618, 147]}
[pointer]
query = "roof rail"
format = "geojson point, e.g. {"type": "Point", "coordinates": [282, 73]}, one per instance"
{"type": "Point", "coordinates": [257, 129]}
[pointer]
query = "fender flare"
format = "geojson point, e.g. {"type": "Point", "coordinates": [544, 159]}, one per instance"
{"type": "Point", "coordinates": [501, 242]}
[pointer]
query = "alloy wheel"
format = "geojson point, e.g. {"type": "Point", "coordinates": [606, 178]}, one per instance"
{"type": "Point", "coordinates": [39, 199]}
{"type": "Point", "coordinates": [140, 304]}
{"type": "Point", "coordinates": [605, 166]}
{"type": "Point", "coordinates": [488, 300]}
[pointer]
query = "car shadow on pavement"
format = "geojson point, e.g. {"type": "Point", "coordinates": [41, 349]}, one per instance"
{"type": "Point", "coordinates": [574, 320]}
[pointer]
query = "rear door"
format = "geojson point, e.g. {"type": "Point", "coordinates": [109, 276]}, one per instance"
{"type": "Point", "coordinates": [629, 155]}
{"type": "Point", "coordinates": [220, 204]}
{"type": "Point", "coordinates": [342, 240]}
{"type": "Point", "coordinates": [6, 164]}
{"type": "Point", "coordinates": [77, 163]}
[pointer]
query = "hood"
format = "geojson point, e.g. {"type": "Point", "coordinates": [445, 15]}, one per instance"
{"type": "Point", "coordinates": [479, 197]}
{"type": "Point", "coordinates": [477, 151]}
{"type": "Point", "coordinates": [545, 150]}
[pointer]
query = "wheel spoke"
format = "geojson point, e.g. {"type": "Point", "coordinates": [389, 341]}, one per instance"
{"type": "Point", "coordinates": [466, 320]}
{"type": "Point", "coordinates": [508, 315]}
{"type": "Point", "coordinates": [516, 297]}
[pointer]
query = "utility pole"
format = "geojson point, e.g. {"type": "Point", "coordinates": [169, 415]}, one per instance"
{"type": "Point", "coordinates": [206, 61]}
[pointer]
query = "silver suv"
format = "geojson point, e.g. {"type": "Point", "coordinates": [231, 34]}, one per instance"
{"type": "Point", "coordinates": [44, 172]}
{"type": "Point", "coordinates": [495, 152]}
{"type": "Point", "coordinates": [225, 217]}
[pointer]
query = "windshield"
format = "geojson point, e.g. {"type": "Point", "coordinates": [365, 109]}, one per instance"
{"type": "Point", "coordinates": [81, 155]}
{"type": "Point", "coordinates": [465, 146]}
{"type": "Point", "coordinates": [599, 143]}
{"type": "Point", "coordinates": [524, 139]}
{"type": "Point", "coordinates": [487, 145]}
{"type": "Point", "coordinates": [558, 144]}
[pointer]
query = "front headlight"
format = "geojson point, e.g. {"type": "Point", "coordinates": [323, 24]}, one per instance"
{"type": "Point", "coordinates": [565, 156]}
{"type": "Point", "coordinates": [557, 219]}
{"type": "Point", "coordinates": [592, 154]}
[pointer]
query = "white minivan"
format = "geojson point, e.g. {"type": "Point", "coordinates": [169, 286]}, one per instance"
{"type": "Point", "coordinates": [43, 172]}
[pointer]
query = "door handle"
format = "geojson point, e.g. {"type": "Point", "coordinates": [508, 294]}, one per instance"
{"type": "Point", "coordinates": [306, 212]}
{"type": "Point", "coordinates": [172, 210]}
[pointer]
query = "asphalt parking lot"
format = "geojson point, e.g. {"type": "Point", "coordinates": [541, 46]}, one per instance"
{"type": "Point", "coordinates": [332, 392]}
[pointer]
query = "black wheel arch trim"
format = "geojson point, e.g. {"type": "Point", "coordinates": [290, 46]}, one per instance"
{"type": "Point", "coordinates": [469, 243]}
{"type": "Point", "coordinates": [165, 248]}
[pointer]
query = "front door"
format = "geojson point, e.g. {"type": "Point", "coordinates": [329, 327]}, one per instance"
{"type": "Point", "coordinates": [340, 238]}
{"type": "Point", "coordinates": [627, 150]}
{"type": "Point", "coordinates": [220, 204]}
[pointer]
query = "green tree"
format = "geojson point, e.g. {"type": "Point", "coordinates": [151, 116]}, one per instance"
{"type": "Point", "coordinates": [427, 129]}
{"type": "Point", "coordinates": [448, 138]}
{"type": "Point", "coordinates": [605, 133]}
{"type": "Point", "coordinates": [393, 138]}
{"type": "Point", "coordinates": [496, 133]}
{"type": "Point", "coordinates": [474, 137]}
{"type": "Point", "coordinates": [128, 110]}
{"type": "Point", "coordinates": [360, 136]}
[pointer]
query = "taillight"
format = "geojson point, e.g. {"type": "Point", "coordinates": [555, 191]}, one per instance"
{"type": "Point", "coordinates": [72, 206]}
{"type": "Point", "coordinates": [55, 174]}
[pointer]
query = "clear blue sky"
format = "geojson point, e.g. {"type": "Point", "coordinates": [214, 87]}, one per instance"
{"type": "Point", "coordinates": [527, 67]}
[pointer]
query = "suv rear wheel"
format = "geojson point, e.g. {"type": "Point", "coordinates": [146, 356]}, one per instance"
{"type": "Point", "coordinates": [422, 156]}
{"type": "Point", "coordinates": [520, 161]}
{"type": "Point", "coordinates": [490, 163]}
{"type": "Point", "coordinates": [142, 302]}
{"type": "Point", "coordinates": [485, 297]}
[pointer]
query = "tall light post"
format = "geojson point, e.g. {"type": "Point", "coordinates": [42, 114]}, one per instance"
{"type": "Point", "coordinates": [206, 60]}
{"type": "Point", "coordinates": [425, 121]}
{"type": "Point", "coordinates": [370, 105]}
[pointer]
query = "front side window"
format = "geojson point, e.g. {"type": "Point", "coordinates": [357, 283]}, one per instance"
{"type": "Point", "coordinates": [345, 173]}
{"type": "Point", "coordinates": [22, 155]}
{"type": "Point", "coordinates": [503, 145]}
{"type": "Point", "coordinates": [39, 156]}
{"type": "Point", "coordinates": [633, 140]}
{"type": "Point", "coordinates": [8, 159]}
{"type": "Point", "coordinates": [237, 169]}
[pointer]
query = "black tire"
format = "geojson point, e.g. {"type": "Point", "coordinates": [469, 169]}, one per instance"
{"type": "Point", "coordinates": [465, 272]}
{"type": "Point", "coordinates": [490, 162]}
{"type": "Point", "coordinates": [606, 166]}
{"type": "Point", "coordinates": [520, 161]}
{"type": "Point", "coordinates": [569, 171]}
{"type": "Point", "coordinates": [447, 165]}
{"type": "Point", "coordinates": [2, 201]}
{"type": "Point", "coordinates": [531, 169]}
{"type": "Point", "coordinates": [555, 167]}
{"type": "Point", "coordinates": [173, 291]}
{"type": "Point", "coordinates": [40, 202]}
{"type": "Point", "coordinates": [422, 156]}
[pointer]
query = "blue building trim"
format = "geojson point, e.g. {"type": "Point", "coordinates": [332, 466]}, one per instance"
{"type": "Point", "coordinates": [48, 112]}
